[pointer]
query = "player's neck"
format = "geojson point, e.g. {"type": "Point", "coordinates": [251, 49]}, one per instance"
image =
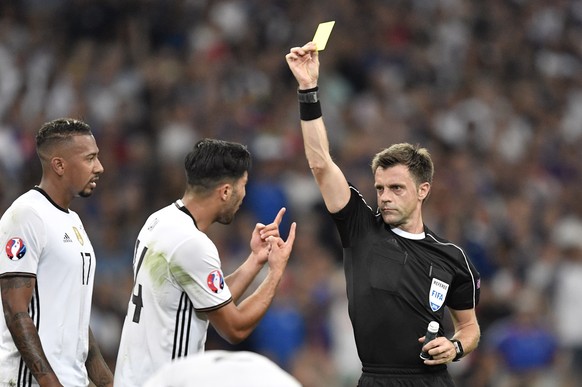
{"type": "Point", "coordinates": [202, 209]}
{"type": "Point", "coordinates": [56, 193]}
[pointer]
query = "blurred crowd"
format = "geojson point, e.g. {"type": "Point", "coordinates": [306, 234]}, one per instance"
{"type": "Point", "coordinates": [492, 88]}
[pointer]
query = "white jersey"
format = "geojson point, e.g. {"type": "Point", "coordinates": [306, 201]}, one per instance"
{"type": "Point", "coordinates": [222, 369]}
{"type": "Point", "coordinates": [177, 275]}
{"type": "Point", "coordinates": [43, 240]}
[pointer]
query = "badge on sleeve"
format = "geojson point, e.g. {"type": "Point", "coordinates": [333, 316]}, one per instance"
{"type": "Point", "coordinates": [215, 281]}
{"type": "Point", "coordinates": [15, 249]}
{"type": "Point", "coordinates": [437, 294]}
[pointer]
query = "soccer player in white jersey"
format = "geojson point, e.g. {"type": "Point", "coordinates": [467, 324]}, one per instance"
{"type": "Point", "coordinates": [179, 284]}
{"type": "Point", "coordinates": [47, 266]}
{"type": "Point", "coordinates": [219, 368]}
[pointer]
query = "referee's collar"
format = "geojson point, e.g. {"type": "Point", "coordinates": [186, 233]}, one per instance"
{"type": "Point", "coordinates": [408, 235]}
{"type": "Point", "coordinates": [182, 207]}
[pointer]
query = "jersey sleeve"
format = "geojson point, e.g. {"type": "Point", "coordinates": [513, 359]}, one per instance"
{"type": "Point", "coordinates": [354, 219]}
{"type": "Point", "coordinates": [466, 286]}
{"type": "Point", "coordinates": [196, 268]}
{"type": "Point", "coordinates": [23, 235]}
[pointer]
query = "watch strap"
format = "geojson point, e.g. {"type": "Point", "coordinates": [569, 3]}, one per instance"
{"type": "Point", "coordinates": [458, 349]}
{"type": "Point", "coordinates": [308, 96]}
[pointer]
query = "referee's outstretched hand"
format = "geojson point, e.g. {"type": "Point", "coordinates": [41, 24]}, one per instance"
{"type": "Point", "coordinates": [304, 64]}
{"type": "Point", "coordinates": [281, 250]}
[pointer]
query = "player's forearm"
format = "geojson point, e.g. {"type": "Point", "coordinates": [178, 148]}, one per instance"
{"type": "Point", "coordinates": [98, 371]}
{"type": "Point", "coordinates": [16, 295]}
{"type": "Point", "coordinates": [254, 307]}
{"type": "Point", "coordinates": [262, 298]}
{"type": "Point", "coordinates": [25, 337]}
{"type": "Point", "coordinates": [239, 281]}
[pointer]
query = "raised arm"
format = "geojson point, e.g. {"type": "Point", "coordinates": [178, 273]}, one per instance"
{"type": "Point", "coordinates": [16, 296]}
{"type": "Point", "coordinates": [304, 64]}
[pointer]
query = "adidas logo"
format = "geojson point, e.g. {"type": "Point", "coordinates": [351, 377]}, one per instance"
{"type": "Point", "coordinates": [67, 238]}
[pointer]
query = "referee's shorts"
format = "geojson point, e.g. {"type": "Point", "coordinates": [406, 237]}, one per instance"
{"type": "Point", "coordinates": [440, 378]}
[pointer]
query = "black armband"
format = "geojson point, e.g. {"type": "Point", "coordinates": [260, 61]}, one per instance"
{"type": "Point", "coordinates": [309, 105]}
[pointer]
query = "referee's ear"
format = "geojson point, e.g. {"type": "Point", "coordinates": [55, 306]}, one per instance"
{"type": "Point", "coordinates": [423, 190]}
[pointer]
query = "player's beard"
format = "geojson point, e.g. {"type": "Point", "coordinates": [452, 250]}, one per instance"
{"type": "Point", "coordinates": [85, 193]}
{"type": "Point", "coordinates": [226, 216]}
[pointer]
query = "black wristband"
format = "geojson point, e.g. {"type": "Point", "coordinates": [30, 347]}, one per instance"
{"type": "Point", "coordinates": [309, 111]}
{"type": "Point", "coordinates": [309, 105]}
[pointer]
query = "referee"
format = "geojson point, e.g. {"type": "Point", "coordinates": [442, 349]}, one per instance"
{"type": "Point", "coordinates": [400, 275]}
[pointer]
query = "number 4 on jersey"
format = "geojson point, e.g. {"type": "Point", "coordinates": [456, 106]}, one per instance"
{"type": "Point", "coordinates": [136, 298]}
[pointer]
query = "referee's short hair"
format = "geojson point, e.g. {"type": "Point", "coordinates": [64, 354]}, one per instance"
{"type": "Point", "coordinates": [416, 158]}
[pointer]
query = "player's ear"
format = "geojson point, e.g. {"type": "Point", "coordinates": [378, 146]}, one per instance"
{"type": "Point", "coordinates": [225, 190]}
{"type": "Point", "coordinates": [58, 165]}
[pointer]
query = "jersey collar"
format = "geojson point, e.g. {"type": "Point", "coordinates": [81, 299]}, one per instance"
{"type": "Point", "coordinates": [43, 192]}
{"type": "Point", "coordinates": [407, 235]}
{"type": "Point", "coordinates": [182, 207]}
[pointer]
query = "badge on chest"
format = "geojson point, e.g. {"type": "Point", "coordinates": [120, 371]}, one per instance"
{"type": "Point", "coordinates": [437, 294]}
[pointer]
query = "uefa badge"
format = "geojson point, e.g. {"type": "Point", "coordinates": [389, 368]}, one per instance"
{"type": "Point", "coordinates": [15, 249]}
{"type": "Point", "coordinates": [215, 281]}
{"type": "Point", "coordinates": [437, 294]}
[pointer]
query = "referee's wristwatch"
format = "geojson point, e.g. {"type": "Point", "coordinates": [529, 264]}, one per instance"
{"type": "Point", "coordinates": [458, 349]}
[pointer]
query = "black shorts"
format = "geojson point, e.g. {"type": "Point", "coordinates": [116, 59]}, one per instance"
{"type": "Point", "coordinates": [436, 379]}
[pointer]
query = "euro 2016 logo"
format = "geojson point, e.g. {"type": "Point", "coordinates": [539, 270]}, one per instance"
{"type": "Point", "coordinates": [15, 249]}
{"type": "Point", "coordinates": [215, 281]}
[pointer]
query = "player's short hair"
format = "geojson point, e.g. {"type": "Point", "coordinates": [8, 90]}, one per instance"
{"type": "Point", "coordinates": [414, 157]}
{"type": "Point", "coordinates": [212, 162]}
{"type": "Point", "coordinates": [58, 131]}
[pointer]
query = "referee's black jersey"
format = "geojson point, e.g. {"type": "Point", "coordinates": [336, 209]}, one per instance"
{"type": "Point", "coordinates": [397, 284]}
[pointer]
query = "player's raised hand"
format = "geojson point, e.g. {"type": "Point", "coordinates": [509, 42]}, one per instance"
{"type": "Point", "coordinates": [259, 245]}
{"type": "Point", "coordinates": [304, 64]}
{"type": "Point", "coordinates": [281, 250]}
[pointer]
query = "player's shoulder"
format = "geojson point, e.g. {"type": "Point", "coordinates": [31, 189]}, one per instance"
{"type": "Point", "coordinates": [28, 204]}
{"type": "Point", "coordinates": [172, 228]}
{"type": "Point", "coordinates": [172, 221]}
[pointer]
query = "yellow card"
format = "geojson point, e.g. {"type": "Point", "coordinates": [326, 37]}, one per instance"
{"type": "Point", "coordinates": [322, 34]}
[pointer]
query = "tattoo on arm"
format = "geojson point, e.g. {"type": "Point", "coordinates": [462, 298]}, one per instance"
{"type": "Point", "coordinates": [16, 294]}
{"type": "Point", "coordinates": [11, 283]}
{"type": "Point", "coordinates": [97, 368]}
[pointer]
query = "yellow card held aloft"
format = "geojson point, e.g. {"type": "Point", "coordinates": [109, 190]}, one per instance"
{"type": "Point", "coordinates": [322, 34]}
